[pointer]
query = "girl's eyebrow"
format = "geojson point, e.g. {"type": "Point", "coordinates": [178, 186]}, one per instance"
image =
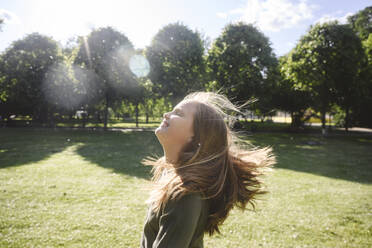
{"type": "Point", "coordinates": [179, 110]}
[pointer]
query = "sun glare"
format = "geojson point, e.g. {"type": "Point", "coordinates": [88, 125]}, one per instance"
{"type": "Point", "coordinates": [72, 18]}
{"type": "Point", "coordinates": [139, 65]}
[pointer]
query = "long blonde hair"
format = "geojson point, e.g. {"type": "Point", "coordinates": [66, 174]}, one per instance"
{"type": "Point", "coordinates": [214, 163]}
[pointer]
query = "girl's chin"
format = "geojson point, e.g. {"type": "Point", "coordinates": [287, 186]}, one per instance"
{"type": "Point", "coordinates": [162, 134]}
{"type": "Point", "coordinates": [161, 129]}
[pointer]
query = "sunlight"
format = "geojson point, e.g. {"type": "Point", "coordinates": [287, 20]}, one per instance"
{"type": "Point", "coordinates": [139, 65]}
{"type": "Point", "coordinates": [60, 89]}
{"type": "Point", "coordinates": [87, 50]}
{"type": "Point", "coordinates": [83, 16]}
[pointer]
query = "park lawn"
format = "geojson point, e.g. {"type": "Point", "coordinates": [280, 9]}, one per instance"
{"type": "Point", "coordinates": [113, 125]}
{"type": "Point", "coordinates": [88, 189]}
{"type": "Point", "coordinates": [77, 123]}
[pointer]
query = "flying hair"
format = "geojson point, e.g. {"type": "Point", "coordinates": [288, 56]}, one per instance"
{"type": "Point", "coordinates": [224, 169]}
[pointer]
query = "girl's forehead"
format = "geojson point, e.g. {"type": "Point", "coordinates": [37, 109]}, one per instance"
{"type": "Point", "coordinates": [187, 105]}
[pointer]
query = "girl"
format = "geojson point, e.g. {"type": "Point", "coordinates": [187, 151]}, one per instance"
{"type": "Point", "coordinates": [203, 174]}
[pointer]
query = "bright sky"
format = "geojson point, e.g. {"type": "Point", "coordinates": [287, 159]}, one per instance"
{"type": "Point", "coordinates": [283, 21]}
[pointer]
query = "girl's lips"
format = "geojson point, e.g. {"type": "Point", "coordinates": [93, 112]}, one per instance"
{"type": "Point", "coordinates": [164, 123]}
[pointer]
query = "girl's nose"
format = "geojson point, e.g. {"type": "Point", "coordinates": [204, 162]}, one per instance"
{"type": "Point", "coordinates": [165, 115]}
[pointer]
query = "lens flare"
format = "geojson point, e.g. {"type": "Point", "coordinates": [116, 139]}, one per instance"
{"type": "Point", "coordinates": [87, 50]}
{"type": "Point", "coordinates": [139, 65]}
{"type": "Point", "coordinates": [61, 90]}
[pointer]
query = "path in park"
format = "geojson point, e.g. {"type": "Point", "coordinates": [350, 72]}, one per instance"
{"type": "Point", "coordinates": [352, 129]}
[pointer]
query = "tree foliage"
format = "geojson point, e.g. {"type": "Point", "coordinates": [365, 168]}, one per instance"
{"type": "Point", "coordinates": [176, 61]}
{"type": "Point", "coordinates": [61, 90]}
{"type": "Point", "coordinates": [329, 70]}
{"type": "Point", "coordinates": [326, 62]}
{"type": "Point", "coordinates": [105, 53]}
{"type": "Point", "coordinates": [242, 63]}
{"type": "Point", "coordinates": [23, 68]}
{"type": "Point", "coordinates": [361, 22]}
{"type": "Point", "coordinates": [288, 97]}
{"type": "Point", "coordinates": [362, 110]}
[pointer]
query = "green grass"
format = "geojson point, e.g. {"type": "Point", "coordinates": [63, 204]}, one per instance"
{"type": "Point", "coordinates": [78, 123]}
{"type": "Point", "coordinates": [88, 189]}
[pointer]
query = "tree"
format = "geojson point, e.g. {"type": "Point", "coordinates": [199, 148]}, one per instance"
{"type": "Point", "coordinates": [176, 61]}
{"type": "Point", "coordinates": [62, 91]}
{"type": "Point", "coordinates": [106, 53]}
{"type": "Point", "coordinates": [24, 66]}
{"type": "Point", "coordinates": [326, 62]}
{"type": "Point", "coordinates": [347, 65]}
{"type": "Point", "coordinates": [361, 22]}
{"type": "Point", "coordinates": [368, 48]}
{"type": "Point", "coordinates": [242, 63]}
{"type": "Point", "coordinates": [148, 98]}
{"type": "Point", "coordinates": [362, 110]}
{"type": "Point", "coordinates": [289, 98]}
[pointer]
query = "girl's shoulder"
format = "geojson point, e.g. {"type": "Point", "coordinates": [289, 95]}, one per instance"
{"type": "Point", "coordinates": [194, 200]}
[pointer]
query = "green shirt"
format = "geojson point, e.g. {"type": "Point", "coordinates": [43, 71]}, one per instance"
{"type": "Point", "coordinates": [180, 224]}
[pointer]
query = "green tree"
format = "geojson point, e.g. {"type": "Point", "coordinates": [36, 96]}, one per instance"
{"type": "Point", "coordinates": [367, 44]}
{"type": "Point", "coordinates": [62, 91]}
{"type": "Point", "coordinates": [176, 61]}
{"type": "Point", "coordinates": [242, 63]}
{"type": "Point", "coordinates": [148, 98]}
{"type": "Point", "coordinates": [289, 98]}
{"type": "Point", "coordinates": [363, 109]}
{"type": "Point", "coordinates": [24, 66]}
{"type": "Point", "coordinates": [106, 53]}
{"type": "Point", "coordinates": [361, 22]}
{"type": "Point", "coordinates": [326, 62]}
{"type": "Point", "coordinates": [347, 65]}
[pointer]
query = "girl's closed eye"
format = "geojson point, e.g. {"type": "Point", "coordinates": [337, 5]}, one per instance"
{"type": "Point", "coordinates": [178, 112]}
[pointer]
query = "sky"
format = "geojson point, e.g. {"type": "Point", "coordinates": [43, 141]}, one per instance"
{"type": "Point", "coordinates": [282, 21]}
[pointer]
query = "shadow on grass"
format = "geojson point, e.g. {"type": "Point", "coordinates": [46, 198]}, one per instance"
{"type": "Point", "coordinates": [19, 146]}
{"type": "Point", "coordinates": [342, 157]}
{"type": "Point", "coordinates": [122, 152]}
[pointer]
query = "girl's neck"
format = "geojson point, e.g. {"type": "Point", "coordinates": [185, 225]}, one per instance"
{"type": "Point", "coordinates": [171, 153]}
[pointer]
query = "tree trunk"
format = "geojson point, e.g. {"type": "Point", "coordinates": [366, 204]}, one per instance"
{"type": "Point", "coordinates": [98, 116]}
{"type": "Point", "coordinates": [51, 120]}
{"type": "Point", "coordinates": [323, 118]}
{"type": "Point", "coordinates": [8, 122]}
{"type": "Point", "coordinates": [136, 114]}
{"type": "Point", "coordinates": [70, 117]}
{"type": "Point", "coordinates": [84, 119]}
{"type": "Point", "coordinates": [347, 119]}
{"type": "Point", "coordinates": [44, 113]}
{"type": "Point", "coordinates": [292, 120]}
{"type": "Point", "coordinates": [106, 112]}
{"type": "Point", "coordinates": [296, 122]}
{"type": "Point", "coordinates": [146, 112]}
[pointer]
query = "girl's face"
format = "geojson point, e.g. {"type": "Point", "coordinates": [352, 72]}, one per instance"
{"type": "Point", "coordinates": [177, 126]}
